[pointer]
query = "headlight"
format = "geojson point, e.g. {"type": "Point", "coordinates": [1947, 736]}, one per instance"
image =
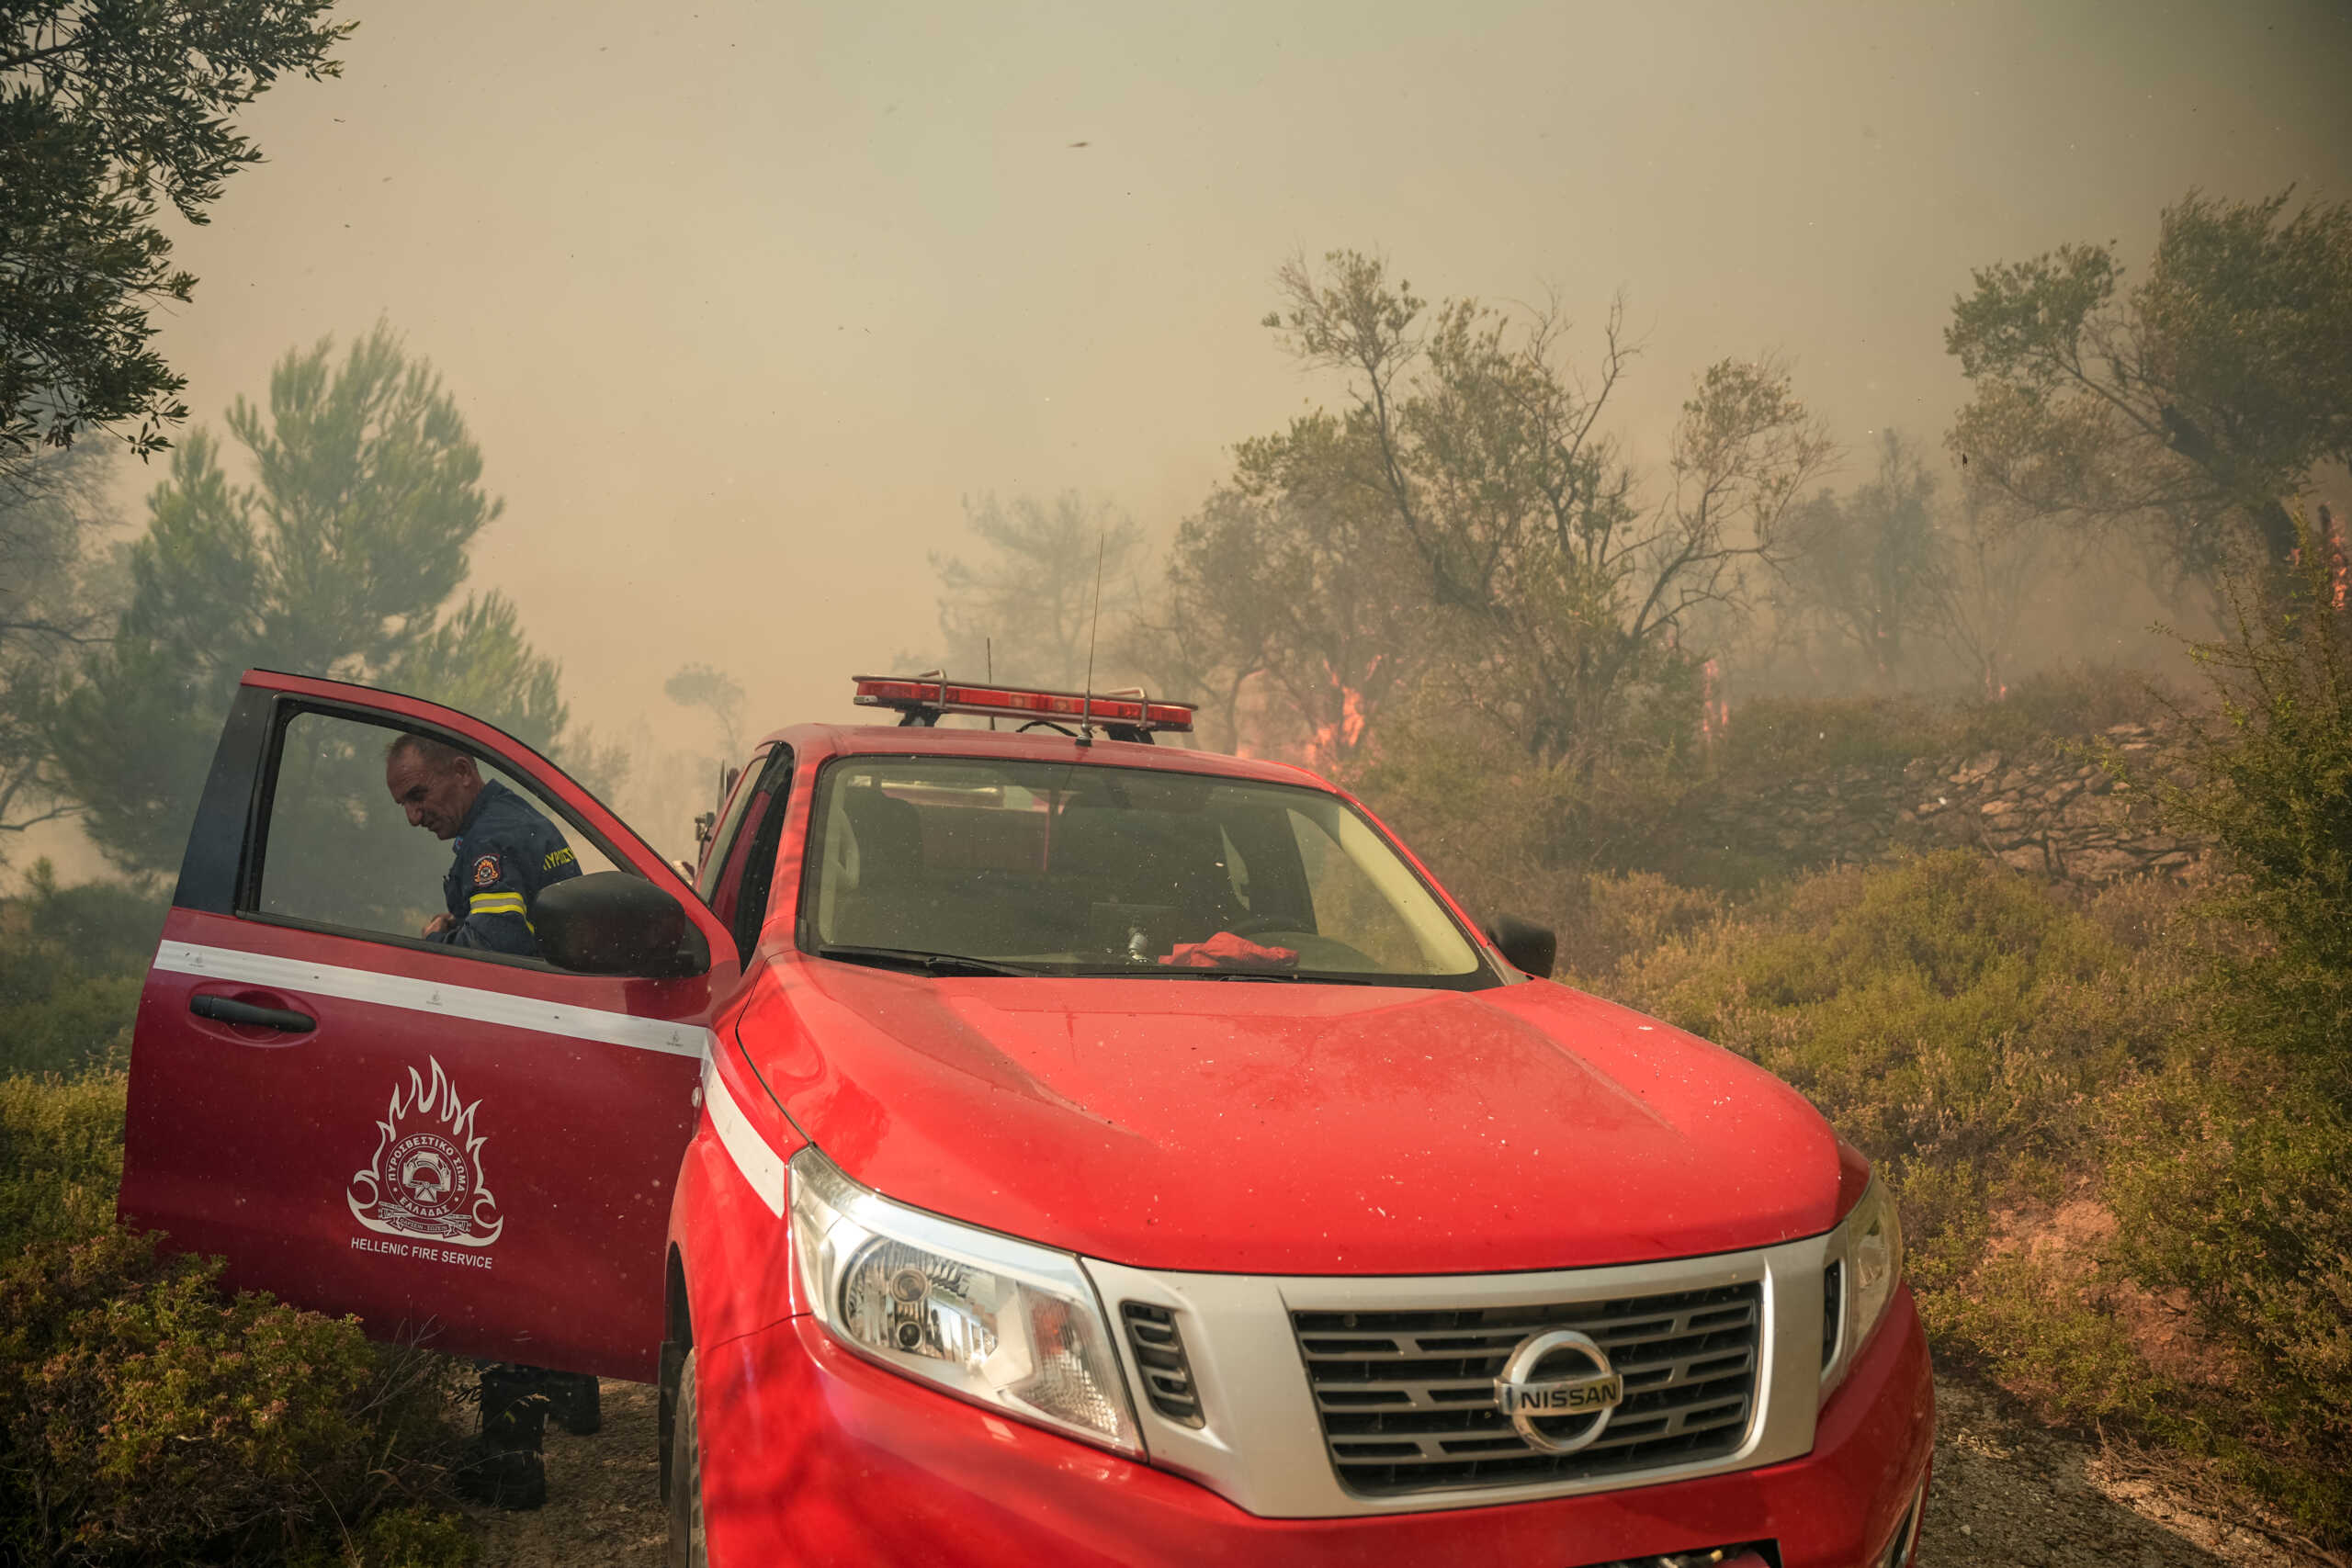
{"type": "Point", "coordinates": [999, 1322]}
{"type": "Point", "coordinates": [1865, 1263]}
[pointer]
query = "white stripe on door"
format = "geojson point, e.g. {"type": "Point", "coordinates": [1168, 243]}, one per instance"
{"type": "Point", "coordinates": [760, 1164]}
{"type": "Point", "coordinates": [438, 998]}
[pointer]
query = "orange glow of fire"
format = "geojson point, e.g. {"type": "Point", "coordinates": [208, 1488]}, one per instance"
{"type": "Point", "coordinates": [1714, 712]}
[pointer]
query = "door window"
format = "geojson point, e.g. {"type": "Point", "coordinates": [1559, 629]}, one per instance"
{"type": "Point", "coordinates": [742, 855]}
{"type": "Point", "coordinates": [718, 854]}
{"type": "Point", "coordinates": [338, 851]}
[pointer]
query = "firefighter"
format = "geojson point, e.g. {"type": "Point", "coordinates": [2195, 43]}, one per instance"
{"type": "Point", "coordinates": [506, 853]}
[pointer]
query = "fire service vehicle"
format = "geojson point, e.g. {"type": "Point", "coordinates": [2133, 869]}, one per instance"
{"type": "Point", "coordinates": [1021, 1142]}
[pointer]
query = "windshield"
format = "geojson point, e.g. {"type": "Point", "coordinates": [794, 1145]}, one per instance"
{"type": "Point", "coordinates": [1070, 868]}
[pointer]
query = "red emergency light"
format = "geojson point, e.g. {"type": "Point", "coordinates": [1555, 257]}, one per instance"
{"type": "Point", "coordinates": [921, 699]}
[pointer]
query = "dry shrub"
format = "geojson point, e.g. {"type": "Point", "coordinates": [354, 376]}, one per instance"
{"type": "Point", "coordinates": [2051, 1337]}
{"type": "Point", "coordinates": [1942, 1010]}
{"type": "Point", "coordinates": [1614, 916]}
{"type": "Point", "coordinates": [2007, 1056]}
{"type": "Point", "coordinates": [1780, 737]}
{"type": "Point", "coordinates": [1504, 830]}
{"type": "Point", "coordinates": [2051, 707]}
{"type": "Point", "coordinates": [1784, 738]}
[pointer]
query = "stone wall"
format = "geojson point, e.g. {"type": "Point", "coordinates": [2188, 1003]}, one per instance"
{"type": "Point", "coordinates": [2050, 812]}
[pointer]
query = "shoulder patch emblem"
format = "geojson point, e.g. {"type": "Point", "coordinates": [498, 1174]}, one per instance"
{"type": "Point", "coordinates": [485, 871]}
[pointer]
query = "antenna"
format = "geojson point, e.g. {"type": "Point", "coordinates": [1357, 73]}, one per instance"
{"type": "Point", "coordinates": [988, 645]}
{"type": "Point", "coordinates": [1086, 724]}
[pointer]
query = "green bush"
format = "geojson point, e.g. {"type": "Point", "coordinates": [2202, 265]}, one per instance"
{"type": "Point", "coordinates": [2232, 1186]}
{"type": "Point", "coordinates": [2053, 1336]}
{"type": "Point", "coordinates": [147, 1418]}
{"type": "Point", "coordinates": [1611, 917]}
{"type": "Point", "coordinates": [72, 962]}
{"type": "Point", "coordinates": [2227, 1169]}
{"type": "Point", "coordinates": [60, 1156]}
{"type": "Point", "coordinates": [2272, 791]}
{"type": "Point", "coordinates": [1940, 1010]}
{"type": "Point", "coordinates": [403, 1537]}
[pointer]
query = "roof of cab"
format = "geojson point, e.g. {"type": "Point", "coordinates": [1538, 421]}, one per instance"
{"type": "Point", "coordinates": [820, 740]}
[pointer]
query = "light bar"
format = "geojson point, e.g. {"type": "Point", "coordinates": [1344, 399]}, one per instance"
{"type": "Point", "coordinates": [937, 695]}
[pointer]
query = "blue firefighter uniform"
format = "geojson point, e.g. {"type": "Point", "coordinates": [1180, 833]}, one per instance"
{"type": "Point", "coordinates": [506, 853]}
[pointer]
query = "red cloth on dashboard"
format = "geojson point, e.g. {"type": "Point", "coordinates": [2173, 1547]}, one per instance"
{"type": "Point", "coordinates": [1225, 948]}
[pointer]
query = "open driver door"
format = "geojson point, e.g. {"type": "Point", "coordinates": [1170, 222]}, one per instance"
{"type": "Point", "coordinates": [463, 1146]}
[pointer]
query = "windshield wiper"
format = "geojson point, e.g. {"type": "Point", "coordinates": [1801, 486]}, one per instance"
{"type": "Point", "coordinates": [918, 962]}
{"type": "Point", "coordinates": [1189, 972]}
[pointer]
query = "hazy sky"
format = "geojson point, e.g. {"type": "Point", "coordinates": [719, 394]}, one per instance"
{"type": "Point", "coordinates": [741, 299]}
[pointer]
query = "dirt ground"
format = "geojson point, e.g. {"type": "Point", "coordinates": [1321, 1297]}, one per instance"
{"type": "Point", "coordinates": [604, 1496]}
{"type": "Point", "coordinates": [2009, 1495]}
{"type": "Point", "coordinates": [2005, 1496]}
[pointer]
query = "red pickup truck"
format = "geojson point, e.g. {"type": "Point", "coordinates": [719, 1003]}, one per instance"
{"type": "Point", "coordinates": [1020, 1147]}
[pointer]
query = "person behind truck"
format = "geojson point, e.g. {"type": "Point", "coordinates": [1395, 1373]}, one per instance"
{"type": "Point", "coordinates": [506, 853]}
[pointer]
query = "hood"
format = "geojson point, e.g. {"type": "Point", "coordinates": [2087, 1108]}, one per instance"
{"type": "Point", "coordinates": [1239, 1126]}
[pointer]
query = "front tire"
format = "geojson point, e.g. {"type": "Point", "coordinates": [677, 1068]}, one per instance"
{"type": "Point", "coordinates": [686, 1549]}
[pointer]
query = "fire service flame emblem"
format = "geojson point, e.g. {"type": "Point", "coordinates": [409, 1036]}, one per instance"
{"type": "Point", "coordinates": [426, 1178]}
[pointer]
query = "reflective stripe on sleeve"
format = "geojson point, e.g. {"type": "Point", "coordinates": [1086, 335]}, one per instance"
{"type": "Point", "coordinates": [501, 904]}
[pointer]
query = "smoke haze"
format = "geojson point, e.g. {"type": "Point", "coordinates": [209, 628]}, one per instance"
{"type": "Point", "coordinates": [742, 302]}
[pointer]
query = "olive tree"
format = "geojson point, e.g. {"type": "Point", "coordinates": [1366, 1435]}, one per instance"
{"type": "Point", "coordinates": [2188, 409]}
{"type": "Point", "coordinates": [1563, 587]}
{"type": "Point", "coordinates": [1299, 586]}
{"type": "Point", "coordinates": [56, 602]}
{"type": "Point", "coordinates": [108, 109]}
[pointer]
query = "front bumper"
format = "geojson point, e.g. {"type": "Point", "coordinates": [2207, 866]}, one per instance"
{"type": "Point", "coordinates": [813, 1457]}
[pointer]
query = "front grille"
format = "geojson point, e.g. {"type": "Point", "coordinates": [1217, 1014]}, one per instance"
{"type": "Point", "coordinates": [1407, 1399]}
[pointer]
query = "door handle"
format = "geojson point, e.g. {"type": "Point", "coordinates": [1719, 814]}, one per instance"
{"type": "Point", "coordinates": [224, 1010]}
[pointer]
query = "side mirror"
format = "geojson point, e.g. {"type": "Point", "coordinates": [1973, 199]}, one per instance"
{"type": "Point", "coordinates": [609, 922]}
{"type": "Point", "coordinates": [1529, 947]}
